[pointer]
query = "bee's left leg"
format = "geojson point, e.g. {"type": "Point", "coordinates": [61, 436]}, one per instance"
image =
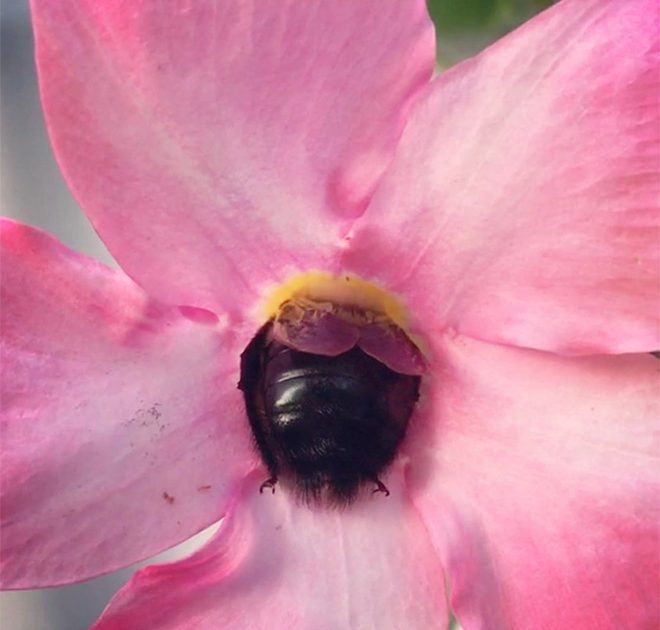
{"type": "Point", "coordinates": [380, 487]}
{"type": "Point", "coordinates": [270, 483]}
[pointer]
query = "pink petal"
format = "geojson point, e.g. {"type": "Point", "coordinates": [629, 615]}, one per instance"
{"type": "Point", "coordinates": [122, 429]}
{"type": "Point", "coordinates": [539, 486]}
{"type": "Point", "coordinates": [523, 204]}
{"type": "Point", "coordinates": [218, 144]}
{"type": "Point", "coordinates": [275, 564]}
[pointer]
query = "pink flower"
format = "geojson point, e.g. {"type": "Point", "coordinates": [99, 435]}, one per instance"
{"type": "Point", "coordinates": [220, 148]}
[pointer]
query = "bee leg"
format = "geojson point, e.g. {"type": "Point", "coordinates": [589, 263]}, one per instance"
{"type": "Point", "coordinates": [269, 483]}
{"type": "Point", "coordinates": [380, 487]}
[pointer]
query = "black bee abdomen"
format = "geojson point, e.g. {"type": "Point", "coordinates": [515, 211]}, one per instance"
{"type": "Point", "coordinates": [324, 424]}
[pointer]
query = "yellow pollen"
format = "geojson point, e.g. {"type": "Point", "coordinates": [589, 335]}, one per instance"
{"type": "Point", "coordinates": [345, 290]}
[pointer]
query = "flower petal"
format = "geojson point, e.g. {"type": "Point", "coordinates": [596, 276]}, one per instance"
{"type": "Point", "coordinates": [217, 144]}
{"type": "Point", "coordinates": [523, 204]}
{"type": "Point", "coordinates": [122, 429]}
{"type": "Point", "coordinates": [539, 486]}
{"type": "Point", "coordinates": [275, 564]}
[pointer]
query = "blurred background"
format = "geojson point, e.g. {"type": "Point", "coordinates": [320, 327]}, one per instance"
{"type": "Point", "coordinates": [32, 190]}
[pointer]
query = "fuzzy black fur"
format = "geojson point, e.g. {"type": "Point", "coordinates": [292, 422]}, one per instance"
{"type": "Point", "coordinates": [326, 425]}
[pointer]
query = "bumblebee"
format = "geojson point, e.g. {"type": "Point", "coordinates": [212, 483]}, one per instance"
{"type": "Point", "coordinates": [324, 424]}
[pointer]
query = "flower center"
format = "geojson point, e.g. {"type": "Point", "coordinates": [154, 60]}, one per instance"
{"type": "Point", "coordinates": [322, 287]}
{"type": "Point", "coordinates": [320, 313]}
